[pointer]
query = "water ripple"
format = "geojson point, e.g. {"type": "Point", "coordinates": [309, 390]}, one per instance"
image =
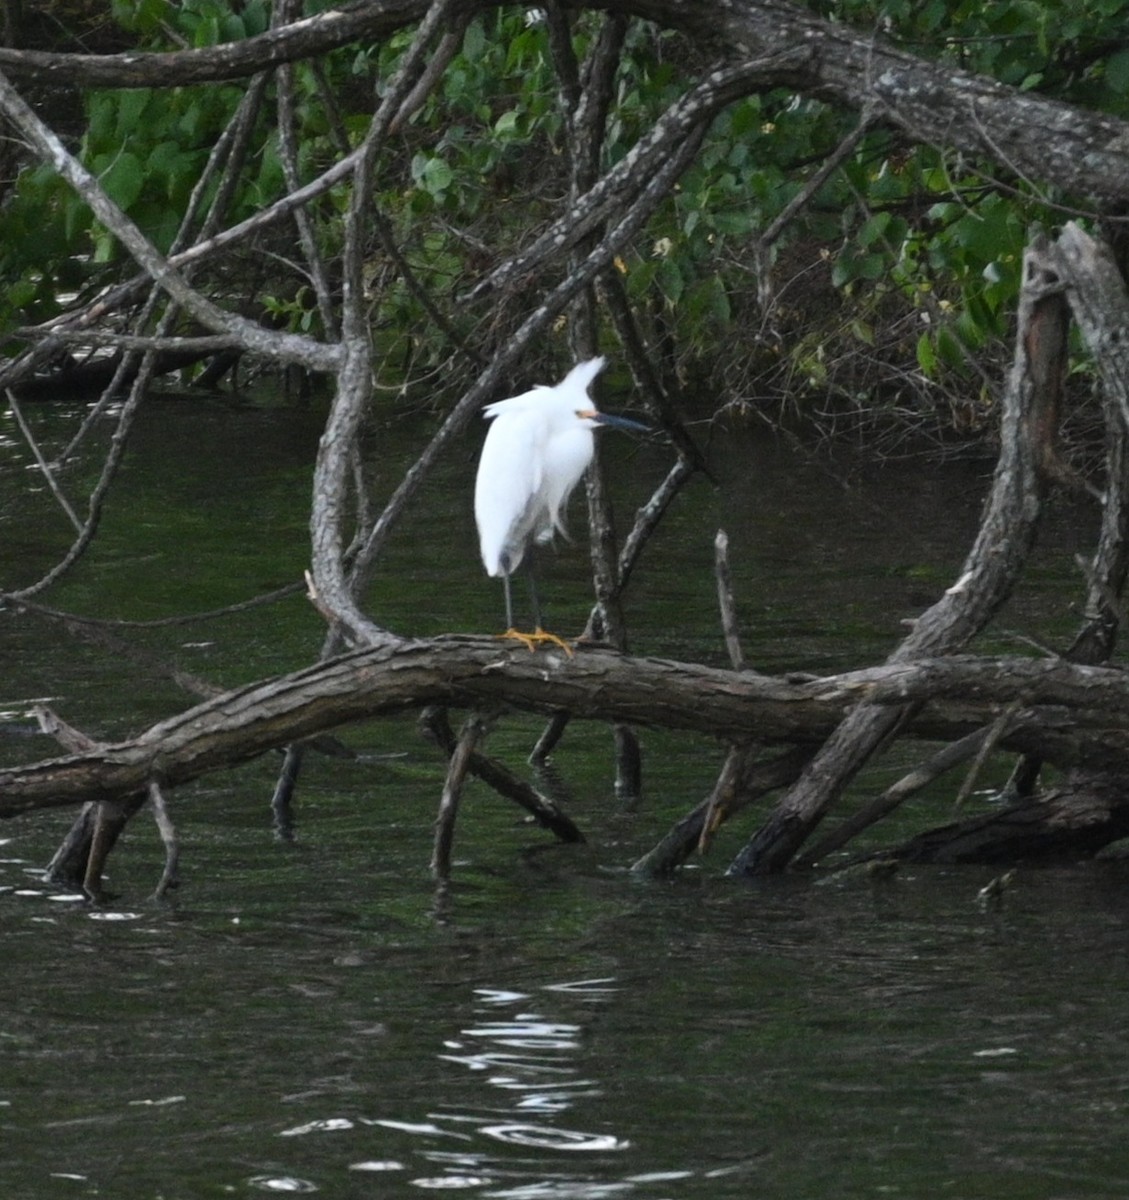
{"type": "Point", "coordinates": [561, 1189]}
{"type": "Point", "coordinates": [281, 1183]}
{"type": "Point", "coordinates": [451, 1182]}
{"type": "Point", "coordinates": [546, 1137]}
{"type": "Point", "coordinates": [325, 1125]}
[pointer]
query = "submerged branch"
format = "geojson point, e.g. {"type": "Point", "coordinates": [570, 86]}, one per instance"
{"type": "Point", "coordinates": [1007, 531]}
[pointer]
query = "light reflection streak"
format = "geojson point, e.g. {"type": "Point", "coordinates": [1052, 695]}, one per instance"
{"type": "Point", "coordinates": [529, 1058]}
{"type": "Point", "coordinates": [416, 1127]}
{"type": "Point", "coordinates": [547, 1137]}
{"type": "Point", "coordinates": [569, 1188]}
{"type": "Point", "coordinates": [586, 987]}
{"type": "Point", "coordinates": [451, 1182]}
{"type": "Point", "coordinates": [528, 1032]}
{"type": "Point", "coordinates": [499, 996]}
{"type": "Point", "coordinates": [281, 1183]}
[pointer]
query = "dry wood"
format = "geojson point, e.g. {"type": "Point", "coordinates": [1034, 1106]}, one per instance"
{"type": "Point", "coordinates": [1074, 714]}
{"type": "Point", "coordinates": [469, 736]}
{"type": "Point", "coordinates": [1058, 827]}
{"type": "Point", "coordinates": [539, 806]}
{"type": "Point", "coordinates": [1007, 531]}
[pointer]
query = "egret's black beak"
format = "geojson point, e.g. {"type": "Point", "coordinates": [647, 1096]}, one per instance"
{"type": "Point", "coordinates": [614, 422]}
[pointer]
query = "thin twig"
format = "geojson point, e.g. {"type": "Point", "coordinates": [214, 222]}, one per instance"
{"type": "Point", "coordinates": [803, 197]}
{"type": "Point", "coordinates": [213, 614]}
{"type": "Point", "coordinates": [288, 146]}
{"type": "Point", "coordinates": [648, 517]}
{"type": "Point", "coordinates": [997, 730]}
{"type": "Point", "coordinates": [170, 877]}
{"type": "Point", "coordinates": [658, 389]}
{"type": "Point", "coordinates": [44, 465]}
{"type": "Point", "coordinates": [547, 814]}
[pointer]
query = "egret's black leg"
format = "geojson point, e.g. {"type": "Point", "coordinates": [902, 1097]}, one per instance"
{"type": "Point", "coordinates": [528, 640]}
{"type": "Point", "coordinates": [534, 599]}
{"type": "Point", "coordinates": [509, 601]}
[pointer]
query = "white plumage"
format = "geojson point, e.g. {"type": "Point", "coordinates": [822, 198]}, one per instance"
{"type": "Point", "coordinates": [538, 447]}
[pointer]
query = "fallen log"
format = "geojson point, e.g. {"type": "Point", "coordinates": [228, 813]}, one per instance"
{"type": "Point", "coordinates": [1064, 825]}
{"type": "Point", "coordinates": [1069, 713]}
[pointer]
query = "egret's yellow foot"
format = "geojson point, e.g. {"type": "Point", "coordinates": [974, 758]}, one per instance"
{"type": "Point", "coordinates": [543, 635]}
{"type": "Point", "coordinates": [537, 638]}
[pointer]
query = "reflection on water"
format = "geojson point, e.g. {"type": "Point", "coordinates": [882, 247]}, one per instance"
{"type": "Point", "coordinates": [532, 1060]}
{"type": "Point", "coordinates": [309, 1018]}
{"type": "Point", "coordinates": [710, 1041]}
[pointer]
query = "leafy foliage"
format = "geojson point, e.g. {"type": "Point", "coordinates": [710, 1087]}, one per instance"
{"type": "Point", "coordinates": [923, 247]}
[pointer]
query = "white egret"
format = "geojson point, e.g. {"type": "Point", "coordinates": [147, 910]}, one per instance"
{"type": "Point", "coordinates": [538, 447]}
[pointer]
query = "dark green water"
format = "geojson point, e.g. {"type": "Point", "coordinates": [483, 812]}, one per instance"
{"type": "Point", "coordinates": [315, 1017]}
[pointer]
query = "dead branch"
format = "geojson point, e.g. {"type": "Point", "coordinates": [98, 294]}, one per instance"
{"type": "Point", "coordinates": [170, 876]}
{"type": "Point", "coordinates": [1007, 530]}
{"type": "Point", "coordinates": [540, 807]}
{"type": "Point", "coordinates": [469, 736]}
{"type": "Point", "coordinates": [1073, 714]}
{"type": "Point", "coordinates": [1078, 151]}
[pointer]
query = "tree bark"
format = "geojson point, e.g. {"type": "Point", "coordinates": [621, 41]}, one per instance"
{"type": "Point", "coordinates": [1060, 827]}
{"type": "Point", "coordinates": [1074, 715]}
{"type": "Point", "coordinates": [1024, 134]}
{"type": "Point", "coordinates": [1007, 530]}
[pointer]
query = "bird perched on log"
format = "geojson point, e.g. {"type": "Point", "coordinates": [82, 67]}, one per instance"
{"type": "Point", "coordinates": [539, 445]}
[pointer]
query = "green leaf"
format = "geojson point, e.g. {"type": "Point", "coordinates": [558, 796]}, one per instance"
{"type": "Point", "coordinates": [20, 293]}
{"type": "Point", "coordinates": [949, 349]}
{"type": "Point", "coordinates": [123, 179]}
{"type": "Point", "coordinates": [104, 247]}
{"type": "Point", "coordinates": [670, 279]}
{"type": "Point", "coordinates": [130, 106]}
{"type": "Point", "coordinates": [506, 124]}
{"type": "Point", "coordinates": [873, 228]}
{"type": "Point", "coordinates": [1117, 73]}
{"type": "Point", "coordinates": [474, 42]}
{"type": "Point", "coordinates": [926, 355]}
{"type": "Point", "coordinates": [739, 221]}
{"type": "Point", "coordinates": [863, 330]}
{"type": "Point", "coordinates": [432, 174]}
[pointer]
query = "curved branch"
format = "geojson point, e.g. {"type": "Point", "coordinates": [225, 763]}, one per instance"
{"type": "Point", "coordinates": [619, 187]}
{"type": "Point", "coordinates": [1071, 714]}
{"type": "Point", "coordinates": [231, 60]}
{"type": "Point", "coordinates": [1082, 152]}
{"type": "Point", "coordinates": [289, 347]}
{"type": "Point", "coordinates": [1007, 531]}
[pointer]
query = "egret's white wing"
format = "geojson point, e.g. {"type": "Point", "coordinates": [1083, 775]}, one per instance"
{"type": "Point", "coordinates": [567, 455]}
{"type": "Point", "coordinates": [507, 500]}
